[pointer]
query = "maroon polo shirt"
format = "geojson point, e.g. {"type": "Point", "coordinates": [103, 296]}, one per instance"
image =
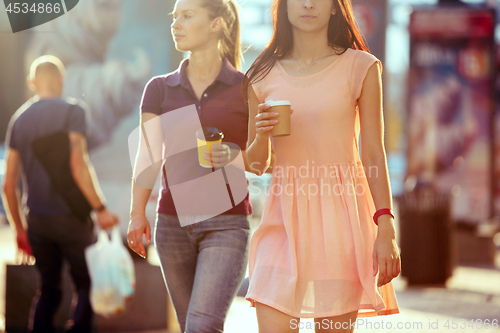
{"type": "Point", "coordinates": [221, 106]}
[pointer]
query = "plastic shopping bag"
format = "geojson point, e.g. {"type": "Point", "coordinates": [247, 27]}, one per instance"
{"type": "Point", "coordinates": [112, 276]}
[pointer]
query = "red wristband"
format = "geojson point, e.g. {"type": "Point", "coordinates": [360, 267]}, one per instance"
{"type": "Point", "coordinates": [382, 211]}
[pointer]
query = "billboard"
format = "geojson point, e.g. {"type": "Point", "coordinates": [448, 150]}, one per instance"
{"type": "Point", "coordinates": [450, 105]}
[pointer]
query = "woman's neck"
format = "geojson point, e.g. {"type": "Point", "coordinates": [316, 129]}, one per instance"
{"type": "Point", "coordinates": [204, 65]}
{"type": "Point", "coordinates": [308, 47]}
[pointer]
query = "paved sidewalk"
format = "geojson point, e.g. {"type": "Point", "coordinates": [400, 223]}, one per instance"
{"type": "Point", "coordinates": [471, 294]}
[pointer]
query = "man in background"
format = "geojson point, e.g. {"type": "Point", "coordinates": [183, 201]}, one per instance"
{"type": "Point", "coordinates": [50, 232]}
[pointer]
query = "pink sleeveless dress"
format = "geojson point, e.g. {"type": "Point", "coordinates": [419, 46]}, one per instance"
{"type": "Point", "coordinates": [311, 255]}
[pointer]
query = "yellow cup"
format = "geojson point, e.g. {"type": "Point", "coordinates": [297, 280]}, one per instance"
{"type": "Point", "coordinates": [206, 137]}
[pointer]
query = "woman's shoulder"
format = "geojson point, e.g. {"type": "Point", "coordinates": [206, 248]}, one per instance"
{"type": "Point", "coordinates": [275, 71]}
{"type": "Point", "coordinates": [160, 82]}
{"type": "Point", "coordinates": [155, 89]}
{"type": "Point", "coordinates": [164, 78]}
{"type": "Point", "coordinates": [238, 76]}
{"type": "Point", "coordinates": [172, 78]}
{"type": "Point", "coordinates": [156, 80]}
{"type": "Point", "coordinates": [361, 56]}
{"type": "Point", "coordinates": [362, 60]}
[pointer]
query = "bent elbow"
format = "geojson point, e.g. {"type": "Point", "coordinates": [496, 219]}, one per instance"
{"type": "Point", "coordinates": [259, 172]}
{"type": "Point", "coordinates": [257, 168]}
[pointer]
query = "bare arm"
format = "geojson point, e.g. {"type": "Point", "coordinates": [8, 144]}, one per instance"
{"type": "Point", "coordinates": [140, 197]}
{"type": "Point", "coordinates": [11, 193]}
{"type": "Point", "coordinates": [139, 225]}
{"type": "Point", "coordinates": [83, 170]}
{"type": "Point", "coordinates": [386, 255]}
{"type": "Point", "coordinates": [259, 151]}
{"type": "Point", "coordinates": [372, 139]}
{"type": "Point", "coordinates": [84, 176]}
{"type": "Point", "coordinates": [271, 163]}
{"type": "Point", "coordinates": [12, 197]}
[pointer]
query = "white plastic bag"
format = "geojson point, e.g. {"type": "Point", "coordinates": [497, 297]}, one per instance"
{"type": "Point", "coordinates": [112, 276]}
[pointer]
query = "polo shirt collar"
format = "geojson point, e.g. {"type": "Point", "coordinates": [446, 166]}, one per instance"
{"type": "Point", "coordinates": [227, 75]}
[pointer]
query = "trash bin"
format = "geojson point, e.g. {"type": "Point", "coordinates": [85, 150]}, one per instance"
{"type": "Point", "coordinates": [426, 236]}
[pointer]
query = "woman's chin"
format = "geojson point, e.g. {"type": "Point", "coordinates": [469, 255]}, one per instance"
{"type": "Point", "coordinates": [309, 28]}
{"type": "Point", "coordinates": [181, 48]}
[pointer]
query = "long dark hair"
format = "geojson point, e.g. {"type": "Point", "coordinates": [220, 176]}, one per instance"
{"type": "Point", "coordinates": [230, 42]}
{"type": "Point", "coordinates": [342, 32]}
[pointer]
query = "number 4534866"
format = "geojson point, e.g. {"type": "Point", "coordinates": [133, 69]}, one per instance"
{"type": "Point", "coordinates": [473, 324]}
{"type": "Point", "coordinates": [37, 8]}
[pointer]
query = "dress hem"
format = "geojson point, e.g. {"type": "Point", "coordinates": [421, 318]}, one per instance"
{"type": "Point", "coordinates": [380, 312]}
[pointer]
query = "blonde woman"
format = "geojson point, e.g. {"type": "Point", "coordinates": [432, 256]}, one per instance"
{"type": "Point", "coordinates": [203, 264]}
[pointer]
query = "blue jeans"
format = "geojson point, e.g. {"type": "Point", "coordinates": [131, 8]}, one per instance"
{"type": "Point", "coordinates": [54, 239]}
{"type": "Point", "coordinates": [203, 266]}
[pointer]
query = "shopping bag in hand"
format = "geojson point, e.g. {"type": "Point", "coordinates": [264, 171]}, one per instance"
{"type": "Point", "coordinates": [112, 276]}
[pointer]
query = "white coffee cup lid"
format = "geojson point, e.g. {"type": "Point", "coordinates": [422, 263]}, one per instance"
{"type": "Point", "coordinates": [276, 103]}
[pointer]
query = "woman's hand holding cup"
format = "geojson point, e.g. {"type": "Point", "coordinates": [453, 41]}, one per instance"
{"type": "Point", "coordinates": [265, 121]}
{"type": "Point", "coordinates": [269, 116]}
{"type": "Point", "coordinates": [219, 155]}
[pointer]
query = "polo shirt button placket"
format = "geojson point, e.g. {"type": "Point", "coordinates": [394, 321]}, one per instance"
{"type": "Point", "coordinates": [205, 95]}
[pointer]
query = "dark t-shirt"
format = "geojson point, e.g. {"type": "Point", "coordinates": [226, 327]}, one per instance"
{"type": "Point", "coordinates": [35, 119]}
{"type": "Point", "coordinates": [221, 106]}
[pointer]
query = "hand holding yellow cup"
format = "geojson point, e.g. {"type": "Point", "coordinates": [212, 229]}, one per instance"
{"type": "Point", "coordinates": [206, 137]}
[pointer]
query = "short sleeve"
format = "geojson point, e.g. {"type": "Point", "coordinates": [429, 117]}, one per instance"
{"type": "Point", "coordinates": [11, 140]}
{"type": "Point", "coordinates": [256, 90]}
{"type": "Point", "coordinates": [77, 122]}
{"type": "Point", "coordinates": [362, 62]}
{"type": "Point", "coordinates": [152, 97]}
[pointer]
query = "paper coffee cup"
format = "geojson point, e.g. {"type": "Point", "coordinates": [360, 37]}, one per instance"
{"type": "Point", "coordinates": [282, 128]}
{"type": "Point", "coordinates": [206, 137]}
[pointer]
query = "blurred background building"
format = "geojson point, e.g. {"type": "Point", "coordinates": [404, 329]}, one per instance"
{"type": "Point", "coordinates": [441, 99]}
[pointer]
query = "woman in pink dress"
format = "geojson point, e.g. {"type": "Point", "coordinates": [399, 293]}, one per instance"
{"type": "Point", "coordinates": [326, 246]}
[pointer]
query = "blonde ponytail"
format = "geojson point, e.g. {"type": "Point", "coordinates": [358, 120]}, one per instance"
{"type": "Point", "coordinates": [230, 42]}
